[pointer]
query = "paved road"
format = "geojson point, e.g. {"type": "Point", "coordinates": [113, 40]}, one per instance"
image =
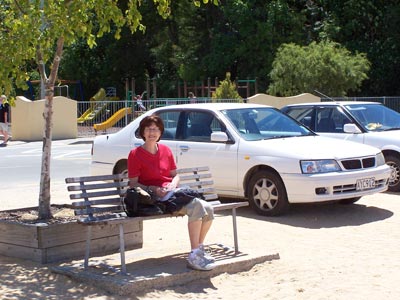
{"type": "Point", "coordinates": [20, 167]}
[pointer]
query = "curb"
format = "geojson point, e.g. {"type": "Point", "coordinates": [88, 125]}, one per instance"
{"type": "Point", "coordinates": [156, 273]}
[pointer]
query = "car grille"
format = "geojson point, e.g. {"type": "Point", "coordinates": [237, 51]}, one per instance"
{"type": "Point", "coordinates": [349, 188]}
{"type": "Point", "coordinates": [358, 163]}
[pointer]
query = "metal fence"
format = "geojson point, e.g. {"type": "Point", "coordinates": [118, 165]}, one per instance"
{"type": "Point", "coordinates": [101, 117]}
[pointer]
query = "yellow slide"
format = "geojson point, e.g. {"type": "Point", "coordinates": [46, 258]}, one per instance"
{"type": "Point", "coordinates": [96, 106]}
{"type": "Point", "coordinates": [113, 119]}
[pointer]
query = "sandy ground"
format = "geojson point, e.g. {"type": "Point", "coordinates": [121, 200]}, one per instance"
{"type": "Point", "coordinates": [326, 252]}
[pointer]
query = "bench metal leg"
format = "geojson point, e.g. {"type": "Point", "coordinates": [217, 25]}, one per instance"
{"type": "Point", "coordinates": [235, 237]}
{"type": "Point", "coordinates": [87, 251]}
{"type": "Point", "coordinates": [122, 248]}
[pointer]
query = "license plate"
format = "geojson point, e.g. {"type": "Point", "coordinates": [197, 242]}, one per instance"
{"type": "Point", "coordinates": [365, 184]}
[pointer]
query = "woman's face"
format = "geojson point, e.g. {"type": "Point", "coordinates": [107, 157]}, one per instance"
{"type": "Point", "coordinates": [152, 133]}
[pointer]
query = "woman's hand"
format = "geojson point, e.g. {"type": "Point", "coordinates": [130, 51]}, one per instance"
{"type": "Point", "coordinates": [170, 186]}
{"type": "Point", "coordinates": [161, 191]}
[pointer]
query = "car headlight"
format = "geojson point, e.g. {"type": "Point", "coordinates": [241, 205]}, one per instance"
{"type": "Point", "coordinates": [319, 166]}
{"type": "Point", "coordinates": [380, 159]}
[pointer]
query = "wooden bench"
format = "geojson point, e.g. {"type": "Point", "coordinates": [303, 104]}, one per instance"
{"type": "Point", "coordinates": [98, 200]}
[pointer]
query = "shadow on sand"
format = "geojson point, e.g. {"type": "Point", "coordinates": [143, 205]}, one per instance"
{"type": "Point", "coordinates": [323, 215]}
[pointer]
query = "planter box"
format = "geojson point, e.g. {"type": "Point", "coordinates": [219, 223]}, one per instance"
{"type": "Point", "coordinates": [48, 243]}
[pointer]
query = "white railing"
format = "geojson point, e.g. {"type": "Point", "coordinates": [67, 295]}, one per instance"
{"type": "Point", "coordinates": [102, 117]}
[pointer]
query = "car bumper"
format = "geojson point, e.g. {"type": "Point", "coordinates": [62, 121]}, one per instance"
{"type": "Point", "coordinates": [333, 186]}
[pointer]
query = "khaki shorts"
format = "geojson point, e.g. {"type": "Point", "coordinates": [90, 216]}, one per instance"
{"type": "Point", "coordinates": [197, 209]}
{"type": "Point", "coordinates": [3, 127]}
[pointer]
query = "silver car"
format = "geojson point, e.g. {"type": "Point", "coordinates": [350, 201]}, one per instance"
{"type": "Point", "coordinates": [369, 123]}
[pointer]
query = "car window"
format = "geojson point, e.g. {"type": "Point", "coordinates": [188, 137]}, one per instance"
{"type": "Point", "coordinates": [198, 126]}
{"type": "Point", "coordinates": [170, 119]}
{"type": "Point", "coordinates": [331, 119]}
{"type": "Point", "coordinates": [263, 123]}
{"type": "Point", "coordinates": [375, 117]}
{"type": "Point", "coordinates": [305, 115]}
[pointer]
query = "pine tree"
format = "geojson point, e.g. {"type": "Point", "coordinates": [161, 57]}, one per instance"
{"type": "Point", "coordinates": [226, 90]}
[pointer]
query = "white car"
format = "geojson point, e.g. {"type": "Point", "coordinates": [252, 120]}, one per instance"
{"type": "Point", "coordinates": [369, 123]}
{"type": "Point", "coordinates": [257, 153]}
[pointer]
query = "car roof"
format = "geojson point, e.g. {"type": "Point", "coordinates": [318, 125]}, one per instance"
{"type": "Point", "coordinates": [214, 106]}
{"type": "Point", "coordinates": [332, 103]}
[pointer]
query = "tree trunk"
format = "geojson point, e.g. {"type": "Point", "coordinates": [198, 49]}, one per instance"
{"type": "Point", "coordinates": [44, 194]}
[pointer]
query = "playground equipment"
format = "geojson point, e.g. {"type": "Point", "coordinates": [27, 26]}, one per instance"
{"type": "Point", "coordinates": [62, 88]}
{"type": "Point", "coordinates": [123, 112]}
{"type": "Point", "coordinates": [130, 89]}
{"type": "Point", "coordinates": [98, 104]}
{"type": "Point", "coordinates": [202, 89]}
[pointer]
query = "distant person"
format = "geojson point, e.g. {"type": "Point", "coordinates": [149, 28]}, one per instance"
{"type": "Point", "coordinates": [192, 98]}
{"type": "Point", "coordinates": [4, 109]}
{"type": "Point", "coordinates": [139, 103]}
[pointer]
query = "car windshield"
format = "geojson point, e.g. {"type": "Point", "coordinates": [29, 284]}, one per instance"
{"type": "Point", "coordinates": [264, 123]}
{"type": "Point", "coordinates": [375, 117]}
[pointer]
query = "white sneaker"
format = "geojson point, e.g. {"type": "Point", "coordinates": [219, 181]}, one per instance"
{"type": "Point", "coordinates": [207, 254]}
{"type": "Point", "coordinates": [197, 261]}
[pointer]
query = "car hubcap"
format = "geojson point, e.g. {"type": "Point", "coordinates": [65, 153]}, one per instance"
{"type": "Point", "coordinates": [265, 194]}
{"type": "Point", "coordinates": [395, 174]}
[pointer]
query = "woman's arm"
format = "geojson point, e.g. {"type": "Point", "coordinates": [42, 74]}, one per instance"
{"type": "Point", "coordinates": [134, 182]}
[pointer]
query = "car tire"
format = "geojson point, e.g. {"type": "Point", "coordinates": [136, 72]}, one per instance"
{"type": "Point", "coordinates": [267, 194]}
{"type": "Point", "coordinates": [121, 167]}
{"type": "Point", "coordinates": [394, 180]}
{"type": "Point", "coordinates": [349, 200]}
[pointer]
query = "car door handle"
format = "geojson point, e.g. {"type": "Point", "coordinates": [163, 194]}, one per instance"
{"type": "Point", "coordinates": [184, 148]}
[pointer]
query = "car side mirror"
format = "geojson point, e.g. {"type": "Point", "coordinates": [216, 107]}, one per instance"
{"type": "Point", "coordinates": [351, 128]}
{"type": "Point", "coordinates": [219, 136]}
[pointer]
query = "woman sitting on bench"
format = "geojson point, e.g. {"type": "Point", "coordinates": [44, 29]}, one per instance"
{"type": "Point", "coordinates": [152, 167]}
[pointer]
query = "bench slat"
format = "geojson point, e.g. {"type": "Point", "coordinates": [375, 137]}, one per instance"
{"type": "Point", "coordinates": [105, 193]}
{"type": "Point", "coordinates": [103, 185]}
{"type": "Point", "coordinates": [193, 177]}
{"type": "Point", "coordinates": [117, 218]}
{"type": "Point", "coordinates": [198, 183]}
{"type": "Point", "coordinates": [99, 210]}
{"type": "Point", "coordinates": [224, 206]}
{"type": "Point", "coordinates": [81, 204]}
{"type": "Point", "coordinates": [194, 169]}
{"type": "Point", "coordinates": [208, 197]}
{"type": "Point", "coordinates": [95, 178]}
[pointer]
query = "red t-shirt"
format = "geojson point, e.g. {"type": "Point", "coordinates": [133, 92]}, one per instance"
{"type": "Point", "coordinates": [151, 169]}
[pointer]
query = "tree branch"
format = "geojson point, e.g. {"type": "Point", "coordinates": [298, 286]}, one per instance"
{"type": "Point", "coordinates": [19, 7]}
{"type": "Point", "coordinates": [41, 64]}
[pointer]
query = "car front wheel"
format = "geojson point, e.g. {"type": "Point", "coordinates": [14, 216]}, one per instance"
{"type": "Point", "coordinates": [267, 194]}
{"type": "Point", "coordinates": [394, 180]}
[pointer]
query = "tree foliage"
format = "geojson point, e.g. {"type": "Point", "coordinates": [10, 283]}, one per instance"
{"type": "Point", "coordinates": [194, 43]}
{"type": "Point", "coordinates": [243, 37]}
{"type": "Point", "coordinates": [37, 30]}
{"type": "Point", "coordinates": [324, 66]}
{"type": "Point", "coordinates": [226, 90]}
{"type": "Point", "coordinates": [371, 27]}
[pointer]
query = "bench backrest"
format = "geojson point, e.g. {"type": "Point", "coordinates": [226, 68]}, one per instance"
{"type": "Point", "coordinates": [97, 194]}
{"type": "Point", "coordinates": [102, 195]}
{"type": "Point", "coordinates": [200, 179]}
